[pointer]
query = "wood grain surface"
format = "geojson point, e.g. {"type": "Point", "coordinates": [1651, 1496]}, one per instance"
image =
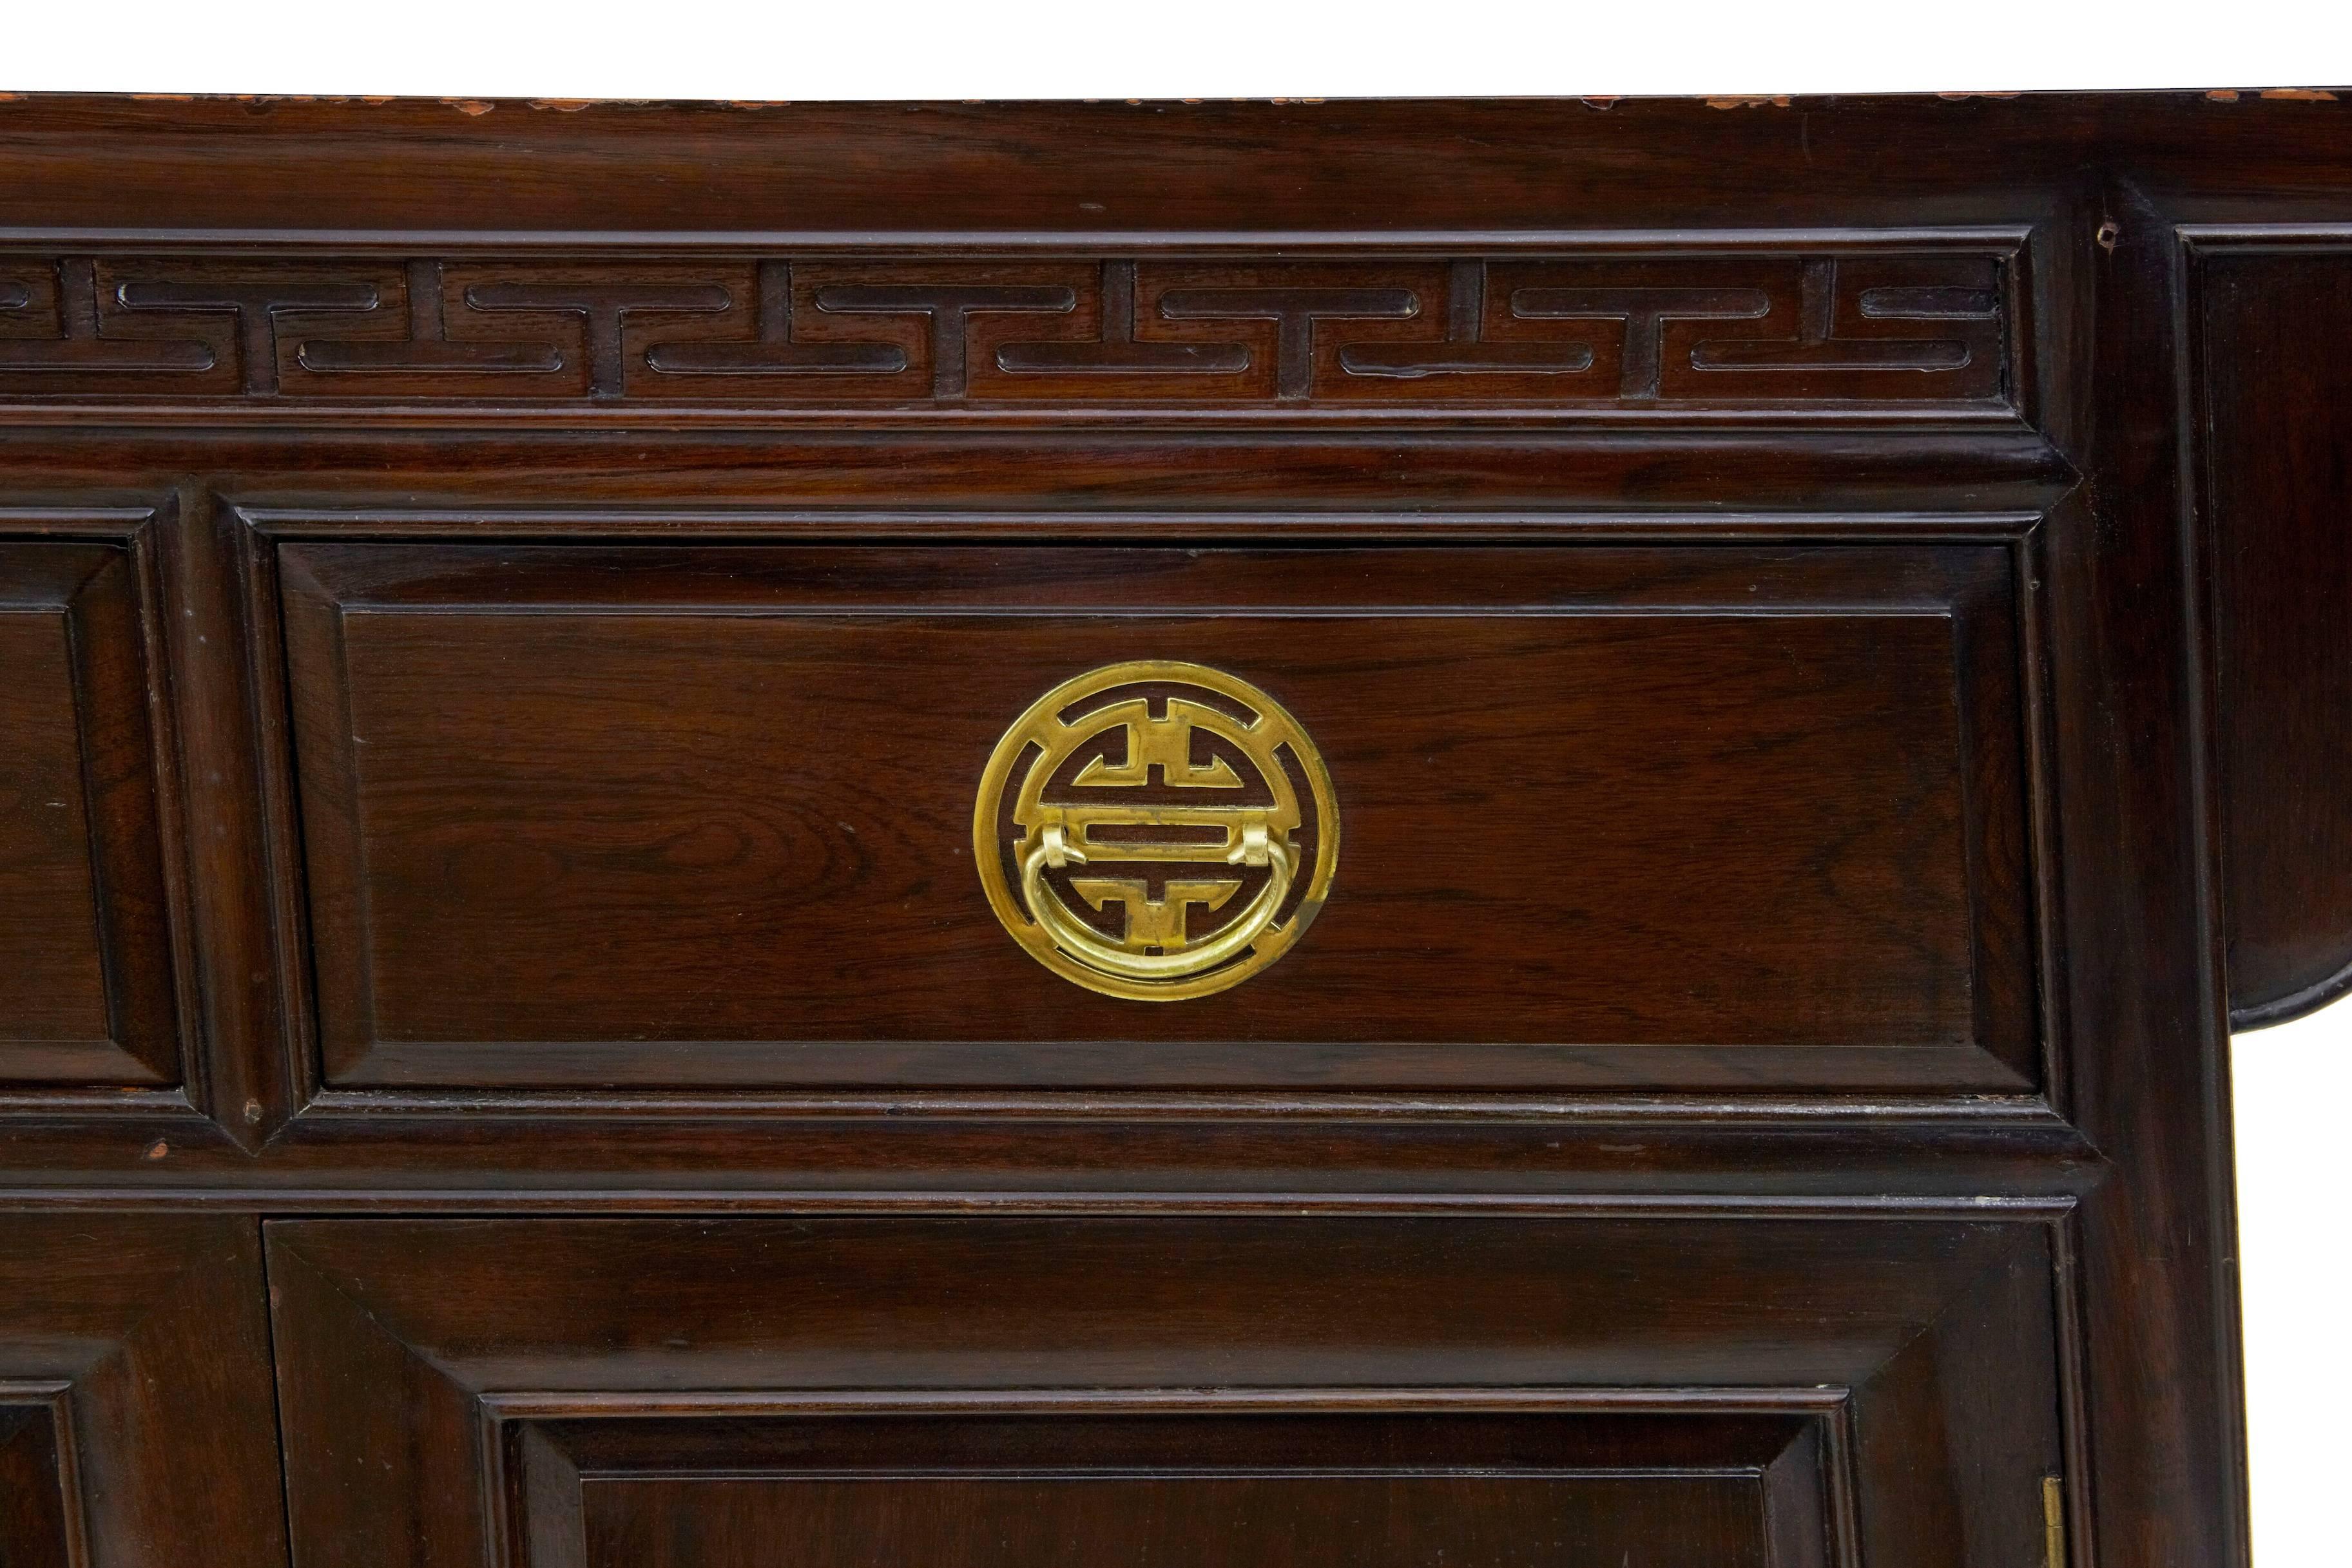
{"type": "Point", "coordinates": [136, 1422]}
{"type": "Point", "coordinates": [700, 817]}
{"type": "Point", "coordinates": [86, 966]}
{"type": "Point", "coordinates": [1802, 1392]}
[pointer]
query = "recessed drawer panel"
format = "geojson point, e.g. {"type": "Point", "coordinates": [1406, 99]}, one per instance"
{"type": "Point", "coordinates": [1604, 815]}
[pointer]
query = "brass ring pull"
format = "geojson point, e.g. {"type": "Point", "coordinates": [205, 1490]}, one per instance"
{"type": "Point", "coordinates": [1176, 957]}
{"type": "Point", "coordinates": [1156, 830]}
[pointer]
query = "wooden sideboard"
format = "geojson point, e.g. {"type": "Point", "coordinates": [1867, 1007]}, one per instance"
{"type": "Point", "coordinates": [1184, 835]}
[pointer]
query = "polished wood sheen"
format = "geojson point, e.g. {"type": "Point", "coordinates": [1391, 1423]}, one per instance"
{"type": "Point", "coordinates": [1823, 619]}
{"type": "Point", "coordinates": [742, 779]}
{"type": "Point", "coordinates": [1073, 1490]}
{"type": "Point", "coordinates": [135, 1404]}
{"type": "Point", "coordinates": [1218, 1389]}
{"type": "Point", "coordinates": [89, 994]}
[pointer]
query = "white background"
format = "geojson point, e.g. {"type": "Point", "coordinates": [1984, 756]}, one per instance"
{"type": "Point", "coordinates": [2292, 1082]}
{"type": "Point", "coordinates": [1170, 48]}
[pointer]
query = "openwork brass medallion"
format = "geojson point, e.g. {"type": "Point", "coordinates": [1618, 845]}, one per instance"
{"type": "Point", "coordinates": [1156, 830]}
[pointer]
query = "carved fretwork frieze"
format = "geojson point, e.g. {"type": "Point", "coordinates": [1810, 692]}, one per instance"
{"type": "Point", "coordinates": [1865, 329]}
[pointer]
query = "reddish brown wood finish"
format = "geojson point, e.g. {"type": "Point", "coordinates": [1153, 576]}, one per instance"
{"type": "Point", "coordinates": [1887, 1387]}
{"type": "Point", "coordinates": [87, 956]}
{"type": "Point", "coordinates": [136, 1425]}
{"type": "Point", "coordinates": [1865, 1026]}
{"type": "Point", "coordinates": [1837, 328]}
{"type": "Point", "coordinates": [743, 778]}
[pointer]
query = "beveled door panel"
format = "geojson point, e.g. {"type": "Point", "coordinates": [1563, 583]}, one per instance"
{"type": "Point", "coordinates": [1205, 1391]}
{"type": "Point", "coordinates": [86, 982]}
{"type": "Point", "coordinates": [136, 1427]}
{"type": "Point", "coordinates": [1723, 815]}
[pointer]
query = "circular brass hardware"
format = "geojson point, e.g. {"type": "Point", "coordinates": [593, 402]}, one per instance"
{"type": "Point", "coordinates": [1156, 830]}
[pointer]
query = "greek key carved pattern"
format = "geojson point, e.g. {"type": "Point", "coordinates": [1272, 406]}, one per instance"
{"type": "Point", "coordinates": [1864, 329]}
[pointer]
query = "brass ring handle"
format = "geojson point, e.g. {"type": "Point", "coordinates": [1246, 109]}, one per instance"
{"type": "Point", "coordinates": [1179, 959]}
{"type": "Point", "coordinates": [1155, 830]}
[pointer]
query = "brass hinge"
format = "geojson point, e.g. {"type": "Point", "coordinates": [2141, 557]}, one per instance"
{"type": "Point", "coordinates": [2053, 1522]}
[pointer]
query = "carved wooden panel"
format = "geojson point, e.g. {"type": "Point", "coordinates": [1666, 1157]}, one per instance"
{"type": "Point", "coordinates": [1382, 1391]}
{"type": "Point", "coordinates": [136, 1422]}
{"type": "Point", "coordinates": [86, 975]}
{"type": "Point", "coordinates": [703, 815]}
{"type": "Point", "coordinates": [1860, 328]}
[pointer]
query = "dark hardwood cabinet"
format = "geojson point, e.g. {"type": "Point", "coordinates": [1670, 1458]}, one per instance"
{"type": "Point", "coordinates": [1167, 835]}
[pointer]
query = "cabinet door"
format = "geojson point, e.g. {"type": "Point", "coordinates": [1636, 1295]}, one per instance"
{"type": "Point", "coordinates": [1340, 1392]}
{"type": "Point", "coordinates": [135, 1422]}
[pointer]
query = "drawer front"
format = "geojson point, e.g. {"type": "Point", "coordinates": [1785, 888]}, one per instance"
{"type": "Point", "coordinates": [1015, 1392]}
{"type": "Point", "coordinates": [86, 987]}
{"type": "Point", "coordinates": [1602, 815]}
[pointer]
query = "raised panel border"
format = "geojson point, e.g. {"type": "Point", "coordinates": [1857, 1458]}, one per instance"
{"type": "Point", "coordinates": [1800, 1444]}
{"type": "Point", "coordinates": [45, 1523]}
{"type": "Point", "coordinates": [1929, 1347]}
{"type": "Point", "coordinates": [2020, 1070]}
{"type": "Point", "coordinates": [102, 575]}
{"type": "Point", "coordinates": [145, 1337]}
